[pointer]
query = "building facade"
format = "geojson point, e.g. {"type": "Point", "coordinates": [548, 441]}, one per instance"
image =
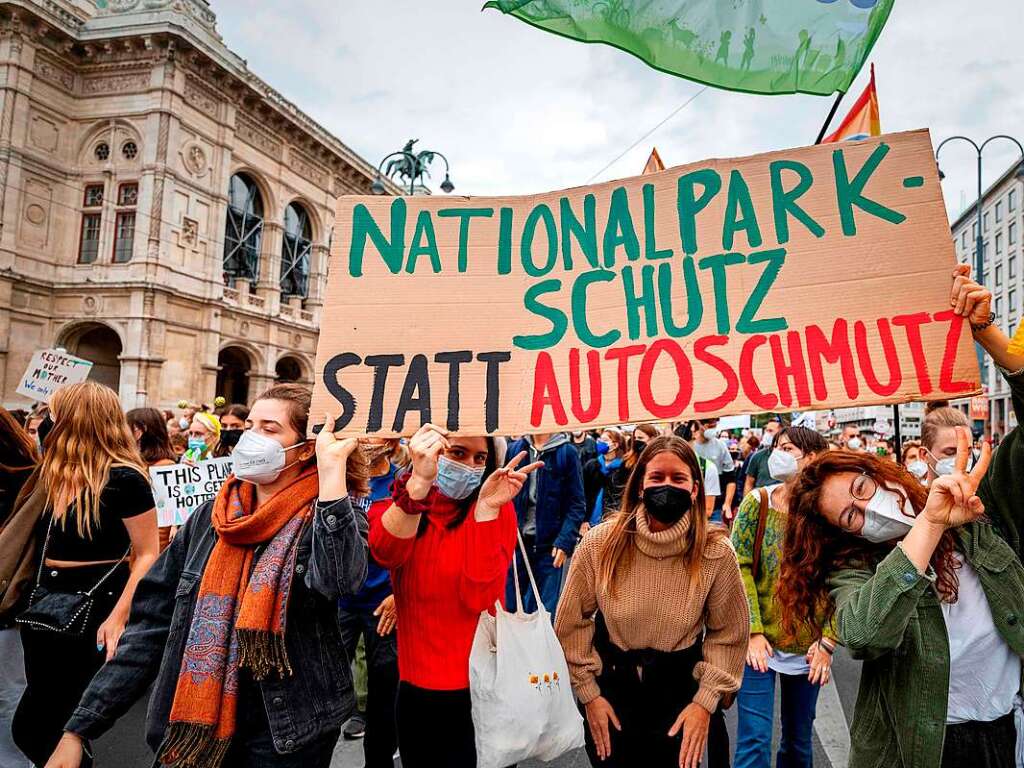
{"type": "Point", "coordinates": [164, 212]}
{"type": "Point", "coordinates": [1004, 275]}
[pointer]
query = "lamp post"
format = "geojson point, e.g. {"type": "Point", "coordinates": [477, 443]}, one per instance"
{"type": "Point", "coordinates": [979, 257]}
{"type": "Point", "coordinates": [979, 265]}
{"type": "Point", "coordinates": [411, 166]}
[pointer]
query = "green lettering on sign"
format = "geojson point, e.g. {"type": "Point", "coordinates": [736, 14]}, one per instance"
{"type": "Point", "coordinates": [850, 193]}
{"type": "Point", "coordinates": [784, 201]}
{"type": "Point", "coordinates": [364, 225]}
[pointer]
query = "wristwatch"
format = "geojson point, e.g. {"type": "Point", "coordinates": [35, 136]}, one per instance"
{"type": "Point", "coordinates": [982, 326]}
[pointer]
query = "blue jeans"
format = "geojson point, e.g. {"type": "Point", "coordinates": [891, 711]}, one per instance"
{"type": "Point", "coordinates": [549, 579]}
{"type": "Point", "coordinates": [756, 703]}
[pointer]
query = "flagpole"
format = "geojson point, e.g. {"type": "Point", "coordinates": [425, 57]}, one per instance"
{"type": "Point", "coordinates": [831, 114]}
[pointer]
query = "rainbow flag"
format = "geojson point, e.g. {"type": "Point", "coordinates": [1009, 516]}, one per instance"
{"type": "Point", "coordinates": [863, 119]}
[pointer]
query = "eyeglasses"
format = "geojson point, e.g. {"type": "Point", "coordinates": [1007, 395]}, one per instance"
{"type": "Point", "coordinates": [863, 487]}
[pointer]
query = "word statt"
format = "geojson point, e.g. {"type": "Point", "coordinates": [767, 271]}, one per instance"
{"type": "Point", "coordinates": [790, 281]}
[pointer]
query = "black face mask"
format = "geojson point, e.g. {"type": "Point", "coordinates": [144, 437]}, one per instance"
{"type": "Point", "coordinates": [666, 503]}
{"type": "Point", "coordinates": [229, 437]}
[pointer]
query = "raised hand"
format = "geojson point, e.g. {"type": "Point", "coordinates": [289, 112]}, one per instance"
{"type": "Point", "coordinates": [970, 299]}
{"type": "Point", "coordinates": [332, 453]}
{"type": "Point", "coordinates": [504, 483]}
{"type": "Point", "coordinates": [424, 448]}
{"type": "Point", "coordinates": [332, 457]}
{"type": "Point", "coordinates": [952, 499]}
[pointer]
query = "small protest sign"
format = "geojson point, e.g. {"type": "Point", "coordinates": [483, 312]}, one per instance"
{"type": "Point", "coordinates": [179, 489]}
{"type": "Point", "coordinates": [49, 370]}
{"type": "Point", "coordinates": [798, 280]}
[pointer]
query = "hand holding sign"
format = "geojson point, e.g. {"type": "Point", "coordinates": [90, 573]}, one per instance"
{"type": "Point", "coordinates": [424, 448]}
{"type": "Point", "coordinates": [970, 299]}
{"type": "Point", "coordinates": [952, 500]}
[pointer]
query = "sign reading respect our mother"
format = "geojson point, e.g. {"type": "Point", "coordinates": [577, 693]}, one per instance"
{"type": "Point", "coordinates": [796, 280]}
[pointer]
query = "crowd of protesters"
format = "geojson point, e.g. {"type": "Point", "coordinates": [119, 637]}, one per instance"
{"type": "Point", "coordinates": [683, 567]}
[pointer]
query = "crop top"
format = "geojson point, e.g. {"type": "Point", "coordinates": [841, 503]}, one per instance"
{"type": "Point", "coordinates": [126, 494]}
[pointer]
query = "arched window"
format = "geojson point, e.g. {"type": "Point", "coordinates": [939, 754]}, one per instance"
{"type": "Point", "coordinates": [295, 249]}
{"type": "Point", "coordinates": [244, 230]}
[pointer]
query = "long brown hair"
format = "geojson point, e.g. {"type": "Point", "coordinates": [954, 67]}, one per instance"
{"type": "Point", "coordinates": [617, 550]}
{"type": "Point", "coordinates": [813, 549]}
{"type": "Point", "coordinates": [89, 436]}
{"type": "Point", "coordinates": [17, 450]}
{"type": "Point", "coordinates": [154, 443]}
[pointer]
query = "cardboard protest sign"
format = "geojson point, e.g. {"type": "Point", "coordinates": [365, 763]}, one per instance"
{"type": "Point", "coordinates": [49, 370]}
{"type": "Point", "coordinates": [179, 489]}
{"type": "Point", "coordinates": [795, 280]}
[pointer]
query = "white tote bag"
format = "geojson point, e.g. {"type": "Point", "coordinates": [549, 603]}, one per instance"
{"type": "Point", "coordinates": [523, 706]}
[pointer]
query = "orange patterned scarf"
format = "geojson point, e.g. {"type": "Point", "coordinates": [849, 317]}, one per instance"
{"type": "Point", "coordinates": [239, 617]}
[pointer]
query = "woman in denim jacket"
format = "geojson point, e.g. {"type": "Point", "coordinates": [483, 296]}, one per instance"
{"type": "Point", "coordinates": [237, 621]}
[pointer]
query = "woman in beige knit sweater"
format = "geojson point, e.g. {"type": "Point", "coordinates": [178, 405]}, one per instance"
{"type": "Point", "coordinates": [644, 588]}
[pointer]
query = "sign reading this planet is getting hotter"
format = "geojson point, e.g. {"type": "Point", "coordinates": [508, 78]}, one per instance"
{"type": "Point", "coordinates": [796, 280]}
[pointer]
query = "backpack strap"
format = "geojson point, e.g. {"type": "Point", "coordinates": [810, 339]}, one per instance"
{"type": "Point", "coordinates": [762, 521]}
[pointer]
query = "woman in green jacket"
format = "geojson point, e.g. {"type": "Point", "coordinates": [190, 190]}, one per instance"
{"type": "Point", "coordinates": [801, 664]}
{"type": "Point", "coordinates": [927, 594]}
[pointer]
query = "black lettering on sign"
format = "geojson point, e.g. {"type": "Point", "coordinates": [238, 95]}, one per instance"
{"type": "Point", "coordinates": [454, 360]}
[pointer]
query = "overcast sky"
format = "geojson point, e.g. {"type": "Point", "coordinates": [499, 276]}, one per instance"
{"type": "Point", "coordinates": [518, 110]}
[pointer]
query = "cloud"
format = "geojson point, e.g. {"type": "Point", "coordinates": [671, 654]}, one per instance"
{"type": "Point", "coordinates": [517, 110]}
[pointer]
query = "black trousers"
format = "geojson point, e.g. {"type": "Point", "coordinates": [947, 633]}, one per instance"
{"type": "Point", "coordinates": [980, 745]}
{"type": "Point", "coordinates": [58, 667]}
{"type": "Point", "coordinates": [381, 738]}
{"type": "Point", "coordinates": [435, 728]}
{"type": "Point", "coordinates": [647, 690]}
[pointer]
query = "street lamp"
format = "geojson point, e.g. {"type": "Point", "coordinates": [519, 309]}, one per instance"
{"type": "Point", "coordinates": [979, 258]}
{"type": "Point", "coordinates": [979, 265]}
{"type": "Point", "coordinates": [410, 166]}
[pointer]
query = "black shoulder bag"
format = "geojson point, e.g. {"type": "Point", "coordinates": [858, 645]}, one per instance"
{"type": "Point", "coordinates": [63, 612]}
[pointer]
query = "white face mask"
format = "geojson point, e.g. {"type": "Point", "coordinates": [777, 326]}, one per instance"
{"type": "Point", "coordinates": [768, 438]}
{"type": "Point", "coordinates": [782, 466]}
{"type": "Point", "coordinates": [947, 466]}
{"type": "Point", "coordinates": [918, 469]}
{"type": "Point", "coordinates": [854, 444]}
{"type": "Point", "coordinates": [711, 433]}
{"type": "Point", "coordinates": [885, 519]}
{"type": "Point", "coordinates": [259, 459]}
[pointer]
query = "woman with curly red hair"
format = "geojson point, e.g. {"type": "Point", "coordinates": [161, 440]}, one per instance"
{"type": "Point", "coordinates": [921, 589]}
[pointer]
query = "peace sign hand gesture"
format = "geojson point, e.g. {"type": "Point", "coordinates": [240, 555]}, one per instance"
{"type": "Point", "coordinates": [952, 499]}
{"type": "Point", "coordinates": [504, 483]}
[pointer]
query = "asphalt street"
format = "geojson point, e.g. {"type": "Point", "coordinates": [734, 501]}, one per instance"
{"type": "Point", "coordinates": [124, 747]}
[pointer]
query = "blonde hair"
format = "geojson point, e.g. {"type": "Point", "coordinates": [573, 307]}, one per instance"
{"type": "Point", "coordinates": [938, 419]}
{"type": "Point", "coordinates": [89, 436]}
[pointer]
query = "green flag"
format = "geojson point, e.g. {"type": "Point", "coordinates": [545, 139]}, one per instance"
{"type": "Point", "coordinates": [757, 46]}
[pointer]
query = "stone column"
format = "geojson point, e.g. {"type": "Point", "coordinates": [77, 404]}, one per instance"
{"type": "Point", "coordinates": [269, 285]}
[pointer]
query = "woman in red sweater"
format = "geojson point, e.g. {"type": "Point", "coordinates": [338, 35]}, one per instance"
{"type": "Point", "coordinates": [448, 540]}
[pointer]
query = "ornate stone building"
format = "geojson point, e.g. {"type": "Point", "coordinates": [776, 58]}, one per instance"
{"type": "Point", "coordinates": [163, 211]}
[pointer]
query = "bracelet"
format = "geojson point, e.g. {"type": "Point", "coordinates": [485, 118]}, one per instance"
{"type": "Point", "coordinates": [827, 646]}
{"type": "Point", "coordinates": [406, 503]}
{"type": "Point", "coordinates": [982, 326]}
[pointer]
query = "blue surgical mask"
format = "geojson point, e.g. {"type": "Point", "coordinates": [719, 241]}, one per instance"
{"type": "Point", "coordinates": [455, 480]}
{"type": "Point", "coordinates": [196, 444]}
{"type": "Point", "coordinates": [603, 447]}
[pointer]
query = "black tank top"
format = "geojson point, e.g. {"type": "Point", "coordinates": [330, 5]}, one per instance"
{"type": "Point", "coordinates": [126, 494]}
